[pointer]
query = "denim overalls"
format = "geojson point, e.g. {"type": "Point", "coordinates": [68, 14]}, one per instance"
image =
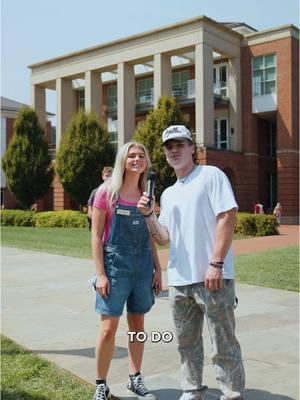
{"type": "Point", "coordinates": [128, 263]}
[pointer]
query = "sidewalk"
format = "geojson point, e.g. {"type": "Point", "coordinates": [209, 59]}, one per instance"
{"type": "Point", "coordinates": [48, 308]}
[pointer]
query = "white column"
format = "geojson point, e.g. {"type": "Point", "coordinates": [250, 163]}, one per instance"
{"type": "Point", "coordinates": [204, 97]}
{"type": "Point", "coordinates": [93, 92]}
{"type": "Point", "coordinates": [234, 95]}
{"type": "Point", "coordinates": [162, 76]}
{"type": "Point", "coordinates": [65, 106]}
{"type": "Point", "coordinates": [126, 103]}
{"type": "Point", "coordinates": [38, 102]}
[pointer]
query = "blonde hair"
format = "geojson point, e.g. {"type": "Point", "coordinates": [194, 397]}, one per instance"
{"type": "Point", "coordinates": [113, 185]}
{"type": "Point", "coordinates": [106, 170]}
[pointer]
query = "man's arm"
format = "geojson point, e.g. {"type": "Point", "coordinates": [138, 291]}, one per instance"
{"type": "Point", "coordinates": [224, 235]}
{"type": "Point", "coordinates": [158, 232]}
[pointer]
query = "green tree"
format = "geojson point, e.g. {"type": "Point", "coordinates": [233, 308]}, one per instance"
{"type": "Point", "coordinates": [149, 133]}
{"type": "Point", "coordinates": [26, 162]}
{"type": "Point", "coordinates": [83, 152]}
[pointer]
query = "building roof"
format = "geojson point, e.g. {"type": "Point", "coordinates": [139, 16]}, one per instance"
{"type": "Point", "coordinates": [199, 19]}
{"type": "Point", "coordinates": [15, 106]}
{"type": "Point", "coordinates": [11, 105]}
{"type": "Point", "coordinates": [239, 26]}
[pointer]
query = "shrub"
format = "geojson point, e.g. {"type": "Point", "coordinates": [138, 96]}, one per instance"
{"type": "Point", "coordinates": [247, 224]}
{"type": "Point", "coordinates": [63, 219]}
{"type": "Point", "coordinates": [256, 225]}
{"type": "Point", "coordinates": [266, 225]}
{"type": "Point", "coordinates": [17, 218]}
{"type": "Point", "coordinates": [47, 219]}
{"type": "Point", "coordinates": [26, 162]}
{"type": "Point", "coordinates": [83, 152]}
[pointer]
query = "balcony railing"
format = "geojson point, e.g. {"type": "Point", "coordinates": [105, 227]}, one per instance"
{"type": "Point", "coordinates": [220, 88]}
{"type": "Point", "coordinates": [183, 91]}
{"type": "Point", "coordinates": [146, 97]}
{"type": "Point", "coordinates": [188, 91]}
{"type": "Point", "coordinates": [112, 102]}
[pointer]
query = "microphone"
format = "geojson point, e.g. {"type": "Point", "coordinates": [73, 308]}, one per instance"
{"type": "Point", "coordinates": [150, 185]}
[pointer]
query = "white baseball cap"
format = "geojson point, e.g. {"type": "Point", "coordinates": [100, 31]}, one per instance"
{"type": "Point", "coordinates": [178, 132]}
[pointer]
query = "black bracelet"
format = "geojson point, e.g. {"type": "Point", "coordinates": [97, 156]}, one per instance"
{"type": "Point", "coordinates": [148, 215]}
{"type": "Point", "coordinates": [216, 264]}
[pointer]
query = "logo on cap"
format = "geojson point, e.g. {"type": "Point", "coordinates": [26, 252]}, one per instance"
{"type": "Point", "coordinates": [179, 132]}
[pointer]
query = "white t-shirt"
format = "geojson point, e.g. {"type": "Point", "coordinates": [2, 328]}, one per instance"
{"type": "Point", "coordinates": [189, 210]}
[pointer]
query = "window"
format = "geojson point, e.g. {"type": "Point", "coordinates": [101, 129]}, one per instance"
{"type": "Point", "coordinates": [271, 191]}
{"type": "Point", "coordinates": [264, 75]}
{"type": "Point", "coordinates": [112, 125]}
{"type": "Point", "coordinates": [81, 99]}
{"type": "Point", "coordinates": [271, 140]}
{"type": "Point", "coordinates": [221, 133]}
{"type": "Point", "coordinates": [220, 79]}
{"type": "Point", "coordinates": [112, 99]}
{"type": "Point", "coordinates": [180, 83]}
{"type": "Point", "coordinates": [53, 135]}
{"type": "Point", "coordinates": [144, 92]}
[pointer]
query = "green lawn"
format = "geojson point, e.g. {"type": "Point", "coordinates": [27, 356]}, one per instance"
{"type": "Point", "coordinates": [277, 268]}
{"type": "Point", "coordinates": [74, 242]}
{"type": "Point", "coordinates": [25, 376]}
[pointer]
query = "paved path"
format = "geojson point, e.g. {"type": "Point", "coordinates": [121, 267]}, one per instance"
{"type": "Point", "coordinates": [48, 307]}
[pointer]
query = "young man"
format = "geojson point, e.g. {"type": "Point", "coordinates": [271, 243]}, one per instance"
{"type": "Point", "coordinates": [198, 217]}
{"type": "Point", "coordinates": [106, 174]}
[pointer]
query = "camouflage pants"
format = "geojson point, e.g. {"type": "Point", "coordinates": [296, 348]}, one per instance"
{"type": "Point", "coordinates": [189, 304]}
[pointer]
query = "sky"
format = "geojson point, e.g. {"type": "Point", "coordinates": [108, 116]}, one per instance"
{"type": "Point", "coordinates": [36, 30]}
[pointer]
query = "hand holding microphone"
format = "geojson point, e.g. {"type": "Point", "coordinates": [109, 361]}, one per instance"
{"type": "Point", "coordinates": [150, 186]}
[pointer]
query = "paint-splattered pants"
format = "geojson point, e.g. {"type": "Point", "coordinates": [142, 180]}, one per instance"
{"type": "Point", "coordinates": [189, 304]}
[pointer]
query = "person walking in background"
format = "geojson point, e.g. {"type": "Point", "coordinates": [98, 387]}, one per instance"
{"type": "Point", "coordinates": [258, 208]}
{"type": "Point", "coordinates": [106, 174]}
{"type": "Point", "coordinates": [127, 265]}
{"type": "Point", "coordinates": [197, 216]}
{"type": "Point", "coordinates": [278, 212]}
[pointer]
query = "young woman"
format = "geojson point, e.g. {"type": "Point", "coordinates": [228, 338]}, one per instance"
{"type": "Point", "coordinates": [127, 266]}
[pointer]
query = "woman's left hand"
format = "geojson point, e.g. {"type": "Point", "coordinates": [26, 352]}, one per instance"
{"type": "Point", "coordinates": [156, 281]}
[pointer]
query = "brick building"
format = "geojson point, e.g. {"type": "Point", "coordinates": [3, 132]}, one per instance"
{"type": "Point", "coordinates": [237, 87]}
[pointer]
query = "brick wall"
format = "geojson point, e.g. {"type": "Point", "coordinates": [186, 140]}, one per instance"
{"type": "Point", "coordinates": [240, 170]}
{"type": "Point", "coordinates": [286, 120]}
{"type": "Point", "coordinates": [61, 199]}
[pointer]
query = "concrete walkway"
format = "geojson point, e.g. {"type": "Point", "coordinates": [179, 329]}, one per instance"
{"type": "Point", "coordinates": [47, 306]}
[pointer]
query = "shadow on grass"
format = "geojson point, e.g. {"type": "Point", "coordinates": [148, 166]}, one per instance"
{"type": "Point", "coordinates": [14, 394]}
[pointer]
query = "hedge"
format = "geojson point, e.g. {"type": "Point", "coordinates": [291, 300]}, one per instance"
{"type": "Point", "coordinates": [247, 224]}
{"type": "Point", "coordinates": [256, 224]}
{"type": "Point", "coordinates": [61, 219]}
{"type": "Point", "coordinates": [47, 219]}
{"type": "Point", "coordinates": [17, 218]}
